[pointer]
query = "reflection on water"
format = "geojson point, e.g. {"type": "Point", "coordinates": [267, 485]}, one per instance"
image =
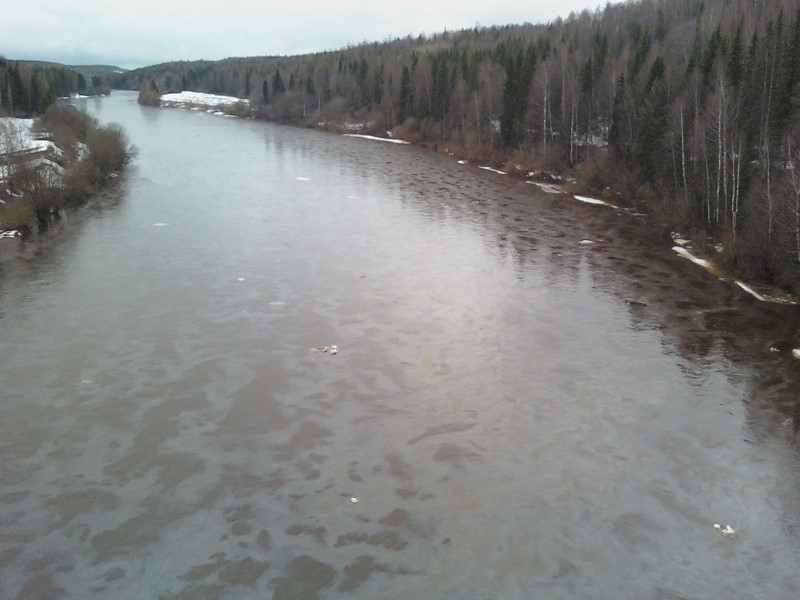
{"type": "Point", "coordinates": [511, 414]}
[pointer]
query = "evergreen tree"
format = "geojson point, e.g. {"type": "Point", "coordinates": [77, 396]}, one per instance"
{"type": "Point", "coordinates": [406, 94]}
{"type": "Point", "coordinates": [277, 85]}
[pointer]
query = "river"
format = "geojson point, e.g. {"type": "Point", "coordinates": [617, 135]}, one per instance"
{"type": "Point", "coordinates": [511, 413]}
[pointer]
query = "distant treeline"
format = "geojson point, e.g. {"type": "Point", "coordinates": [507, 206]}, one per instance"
{"type": "Point", "coordinates": [690, 108]}
{"type": "Point", "coordinates": [27, 91]}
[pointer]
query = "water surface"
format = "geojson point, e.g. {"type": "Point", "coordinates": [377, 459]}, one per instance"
{"type": "Point", "coordinates": [511, 413]}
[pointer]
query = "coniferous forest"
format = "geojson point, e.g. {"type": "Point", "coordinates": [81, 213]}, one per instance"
{"type": "Point", "coordinates": [687, 109]}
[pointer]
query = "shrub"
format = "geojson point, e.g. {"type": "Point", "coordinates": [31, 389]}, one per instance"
{"type": "Point", "coordinates": [149, 98]}
{"type": "Point", "coordinates": [109, 149]}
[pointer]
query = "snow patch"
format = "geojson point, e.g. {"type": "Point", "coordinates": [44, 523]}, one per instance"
{"type": "Point", "coordinates": [588, 200]}
{"type": "Point", "coordinates": [751, 291]}
{"type": "Point", "coordinates": [375, 138]}
{"type": "Point", "coordinates": [546, 187]}
{"type": "Point", "coordinates": [688, 255]}
{"type": "Point", "coordinates": [17, 135]}
{"type": "Point", "coordinates": [188, 99]}
{"type": "Point", "coordinates": [493, 170]}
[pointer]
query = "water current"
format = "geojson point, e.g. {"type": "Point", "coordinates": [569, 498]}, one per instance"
{"type": "Point", "coordinates": [511, 413]}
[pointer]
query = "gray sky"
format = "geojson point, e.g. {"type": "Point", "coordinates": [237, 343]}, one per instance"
{"type": "Point", "coordinates": [144, 32]}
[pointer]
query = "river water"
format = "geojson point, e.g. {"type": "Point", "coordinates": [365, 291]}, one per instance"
{"type": "Point", "coordinates": [511, 414]}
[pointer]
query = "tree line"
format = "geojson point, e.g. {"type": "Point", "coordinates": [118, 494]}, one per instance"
{"type": "Point", "coordinates": [688, 108]}
{"type": "Point", "coordinates": [28, 89]}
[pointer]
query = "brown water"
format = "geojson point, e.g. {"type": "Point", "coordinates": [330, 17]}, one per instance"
{"type": "Point", "coordinates": [518, 415]}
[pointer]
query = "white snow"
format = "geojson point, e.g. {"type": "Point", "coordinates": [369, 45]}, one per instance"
{"type": "Point", "coordinates": [546, 187]}
{"type": "Point", "coordinates": [188, 99]}
{"type": "Point", "coordinates": [17, 135]}
{"type": "Point", "coordinates": [688, 255]}
{"type": "Point", "coordinates": [493, 170]}
{"type": "Point", "coordinates": [588, 200]}
{"type": "Point", "coordinates": [679, 239]}
{"type": "Point", "coordinates": [376, 138]}
{"type": "Point", "coordinates": [751, 291]}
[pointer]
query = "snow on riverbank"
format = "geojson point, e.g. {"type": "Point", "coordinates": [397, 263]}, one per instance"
{"type": "Point", "coordinates": [17, 135]}
{"type": "Point", "coordinates": [193, 99]}
{"type": "Point", "coordinates": [493, 170]}
{"type": "Point", "coordinates": [376, 138]}
{"type": "Point", "coordinates": [588, 200]}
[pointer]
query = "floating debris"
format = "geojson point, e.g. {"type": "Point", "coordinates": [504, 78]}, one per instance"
{"type": "Point", "coordinates": [9, 234]}
{"type": "Point", "coordinates": [774, 349]}
{"type": "Point", "coordinates": [462, 162]}
{"type": "Point", "coordinates": [796, 353]}
{"type": "Point", "coordinates": [727, 532]}
{"type": "Point", "coordinates": [160, 224]}
{"type": "Point", "coordinates": [332, 350]}
{"type": "Point", "coordinates": [241, 278]}
{"type": "Point", "coordinates": [586, 242]}
{"type": "Point", "coordinates": [304, 179]}
{"type": "Point", "coordinates": [353, 500]}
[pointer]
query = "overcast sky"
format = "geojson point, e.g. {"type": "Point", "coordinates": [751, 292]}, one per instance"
{"type": "Point", "coordinates": [145, 32]}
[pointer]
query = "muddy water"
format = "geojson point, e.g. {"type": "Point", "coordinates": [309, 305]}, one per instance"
{"type": "Point", "coordinates": [511, 413]}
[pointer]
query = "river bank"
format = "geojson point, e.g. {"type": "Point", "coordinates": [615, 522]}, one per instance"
{"type": "Point", "coordinates": [53, 163]}
{"type": "Point", "coordinates": [696, 246]}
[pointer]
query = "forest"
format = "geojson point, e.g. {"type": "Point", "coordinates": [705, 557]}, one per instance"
{"type": "Point", "coordinates": [686, 109]}
{"type": "Point", "coordinates": [27, 89]}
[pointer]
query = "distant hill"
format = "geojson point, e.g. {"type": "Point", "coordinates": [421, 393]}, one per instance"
{"type": "Point", "coordinates": [85, 70]}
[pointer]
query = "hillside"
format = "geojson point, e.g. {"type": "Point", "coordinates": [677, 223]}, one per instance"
{"type": "Point", "coordinates": [689, 109]}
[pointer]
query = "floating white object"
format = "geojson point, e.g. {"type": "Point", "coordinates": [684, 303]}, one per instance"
{"type": "Point", "coordinates": [727, 532]}
{"type": "Point", "coordinates": [159, 224]}
{"type": "Point", "coordinates": [462, 162]}
{"type": "Point", "coordinates": [241, 278]}
{"type": "Point", "coordinates": [323, 349]}
{"type": "Point", "coordinates": [303, 179]}
{"type": "Point", "coordinates": [586, 242]}
{"type": "Point", "coordinates": [796, 353]}
{"type": "Point", "coordinates": [353, 500]}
